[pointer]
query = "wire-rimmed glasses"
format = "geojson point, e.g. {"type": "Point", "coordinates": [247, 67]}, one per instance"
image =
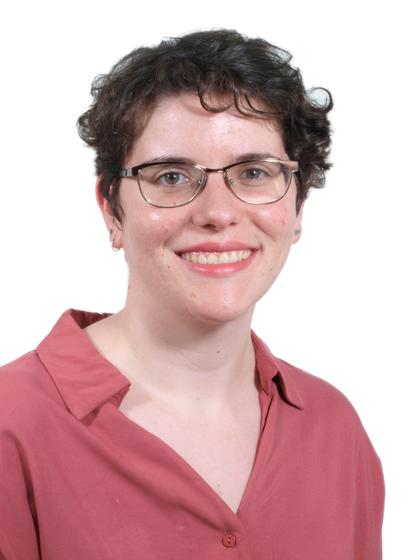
{"type": "Point", "coordinates": [172, 183]}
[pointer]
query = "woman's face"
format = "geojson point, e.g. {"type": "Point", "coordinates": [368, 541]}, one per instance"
{"type": "Point", "coordinates": [156, 240]}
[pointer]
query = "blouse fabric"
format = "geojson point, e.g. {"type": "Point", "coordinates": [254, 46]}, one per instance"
{"type": "Point", "coordinates": [80, 481]}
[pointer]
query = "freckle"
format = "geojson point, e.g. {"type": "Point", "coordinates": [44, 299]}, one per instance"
{"type": "Point", "coordinates": [217, 351]}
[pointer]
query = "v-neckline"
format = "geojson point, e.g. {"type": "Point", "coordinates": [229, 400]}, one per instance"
{"type": "Point", "coordinates": [133, 428]}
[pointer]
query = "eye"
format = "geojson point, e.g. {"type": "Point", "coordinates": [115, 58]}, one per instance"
{"type": "Point", "coordinates": [167, 176]}
{"type": "Point", "coordinates": [253, 173]}
{"type": "Point", "coordinates": [172, 178]}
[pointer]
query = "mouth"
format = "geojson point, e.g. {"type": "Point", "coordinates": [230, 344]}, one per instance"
{"type": "Point", "coordinates": [217, 264]}
{"type": "Point", "coordinates": [216, 257]}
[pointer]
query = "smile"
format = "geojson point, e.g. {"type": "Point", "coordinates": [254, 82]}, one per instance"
{"type": "Point", "coordinates": [218, 264]}
{"type": "Point", "coordinates": [225, 257]}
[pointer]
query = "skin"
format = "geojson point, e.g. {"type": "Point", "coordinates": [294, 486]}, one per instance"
{"type": "Point", "coordinates": [197, 325]}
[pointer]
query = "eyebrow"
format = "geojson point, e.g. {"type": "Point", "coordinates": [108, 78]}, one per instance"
{"type": "Point", "coordinates": [242, 157]}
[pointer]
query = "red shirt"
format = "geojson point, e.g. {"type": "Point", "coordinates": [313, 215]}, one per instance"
{"type": "Point", "coordinates": [80, 481]}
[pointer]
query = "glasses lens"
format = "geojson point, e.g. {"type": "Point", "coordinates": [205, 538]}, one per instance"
{"type": "Point", "coordinates": [169, 184]}
{"type": "Point", "coordinates": [259, 182]}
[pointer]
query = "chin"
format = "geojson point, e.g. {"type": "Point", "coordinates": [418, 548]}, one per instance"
{"type": "Point", "coordinates": [219, 313]}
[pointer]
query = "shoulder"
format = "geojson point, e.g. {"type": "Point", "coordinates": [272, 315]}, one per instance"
{"type": "Point", "coordinates": [19, 376]}
{"type": "Point", "coordinates": [301, 389]}
{"type": "Point", "coordinates": [329, 416]}
{"type": "Point", "coordinates": [313, 390]}
{"type": "Point", "coordinates": [25, 389]}
{"type": "Point", "coordinates": [322, 402]}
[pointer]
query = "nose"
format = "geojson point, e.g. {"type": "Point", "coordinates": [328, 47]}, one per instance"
{"type": "Point", "coordinates": [216, 207]}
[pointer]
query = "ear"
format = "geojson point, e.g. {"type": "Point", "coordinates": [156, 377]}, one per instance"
{"type": "Point", "coordinates": [111, 222]}
{"type": "Point", "coordinates": [298, 224]}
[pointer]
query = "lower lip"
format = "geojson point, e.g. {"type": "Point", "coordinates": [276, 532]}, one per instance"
{"type": "Point", "coordinates": [220, 270]}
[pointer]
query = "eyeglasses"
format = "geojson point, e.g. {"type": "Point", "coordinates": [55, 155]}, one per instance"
{"type": "Point", "coordinates": [168, 184]}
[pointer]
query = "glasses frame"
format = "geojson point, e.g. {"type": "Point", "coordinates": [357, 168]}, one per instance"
{"type": "Point", "coordinates": [293, 167]}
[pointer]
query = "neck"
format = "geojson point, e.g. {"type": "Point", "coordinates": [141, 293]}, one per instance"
{"type": "Point", "coordinates": [181, 360]}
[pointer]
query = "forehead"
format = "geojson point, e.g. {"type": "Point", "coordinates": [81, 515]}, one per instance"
{"type": "Point", "coordinates": [179, 125]}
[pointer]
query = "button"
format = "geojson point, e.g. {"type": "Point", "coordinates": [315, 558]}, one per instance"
{"type": "Point", "coordinates": [229, 540]}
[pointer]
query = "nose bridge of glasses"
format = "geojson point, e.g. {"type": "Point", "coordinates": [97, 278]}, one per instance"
{"type": "Point", "coordinates": [222, 170]}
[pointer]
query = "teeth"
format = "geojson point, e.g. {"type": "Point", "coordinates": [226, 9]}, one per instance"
{"type": "Point", "coordinates": [217, 258]}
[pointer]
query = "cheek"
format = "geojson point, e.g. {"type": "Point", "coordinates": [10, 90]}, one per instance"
{"type": "Point", "coordinates": [277, 221]}
{"type": "Point", "coordinates": [150, 229]}
{"type": "Point", "coordinates": [158, 226]}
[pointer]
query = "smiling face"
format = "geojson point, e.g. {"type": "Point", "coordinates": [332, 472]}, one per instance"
{"type": "Point", "coordinates": [182, 261]}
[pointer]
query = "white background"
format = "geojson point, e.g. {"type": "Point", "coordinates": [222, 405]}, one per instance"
{"type": "Point", "coordinates": [347, 300]}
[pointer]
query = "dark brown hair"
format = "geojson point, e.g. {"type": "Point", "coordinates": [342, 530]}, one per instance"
{"type": "Point", "coordinates": [211, 63]}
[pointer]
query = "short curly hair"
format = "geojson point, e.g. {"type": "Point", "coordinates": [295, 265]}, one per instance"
{"type": "Point", "coordinates": [212, 64]}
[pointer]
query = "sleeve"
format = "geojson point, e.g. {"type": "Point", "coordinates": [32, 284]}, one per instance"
{"type": "Point", "coordinates": [369, 503]}
{"type": "Point", "coordinates": [18, 535]}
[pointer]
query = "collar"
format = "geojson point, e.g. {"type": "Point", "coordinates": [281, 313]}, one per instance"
{"type": "Point", "coordinates": [276, 372]}
{"type": "Point", "coordinates": [86, 380]}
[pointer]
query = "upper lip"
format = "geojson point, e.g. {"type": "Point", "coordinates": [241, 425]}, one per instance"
{"type": "Point", "coordinates": [216, 247]}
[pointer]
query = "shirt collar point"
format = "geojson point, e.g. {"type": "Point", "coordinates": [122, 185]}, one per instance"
{"type": "Point", "coordinates": [271, 368]}
{"type": "Point", "coordinates": [84, 379]}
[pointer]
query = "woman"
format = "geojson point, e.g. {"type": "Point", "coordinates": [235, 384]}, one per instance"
{"type": "Point", "coordinates": [169, 430]}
